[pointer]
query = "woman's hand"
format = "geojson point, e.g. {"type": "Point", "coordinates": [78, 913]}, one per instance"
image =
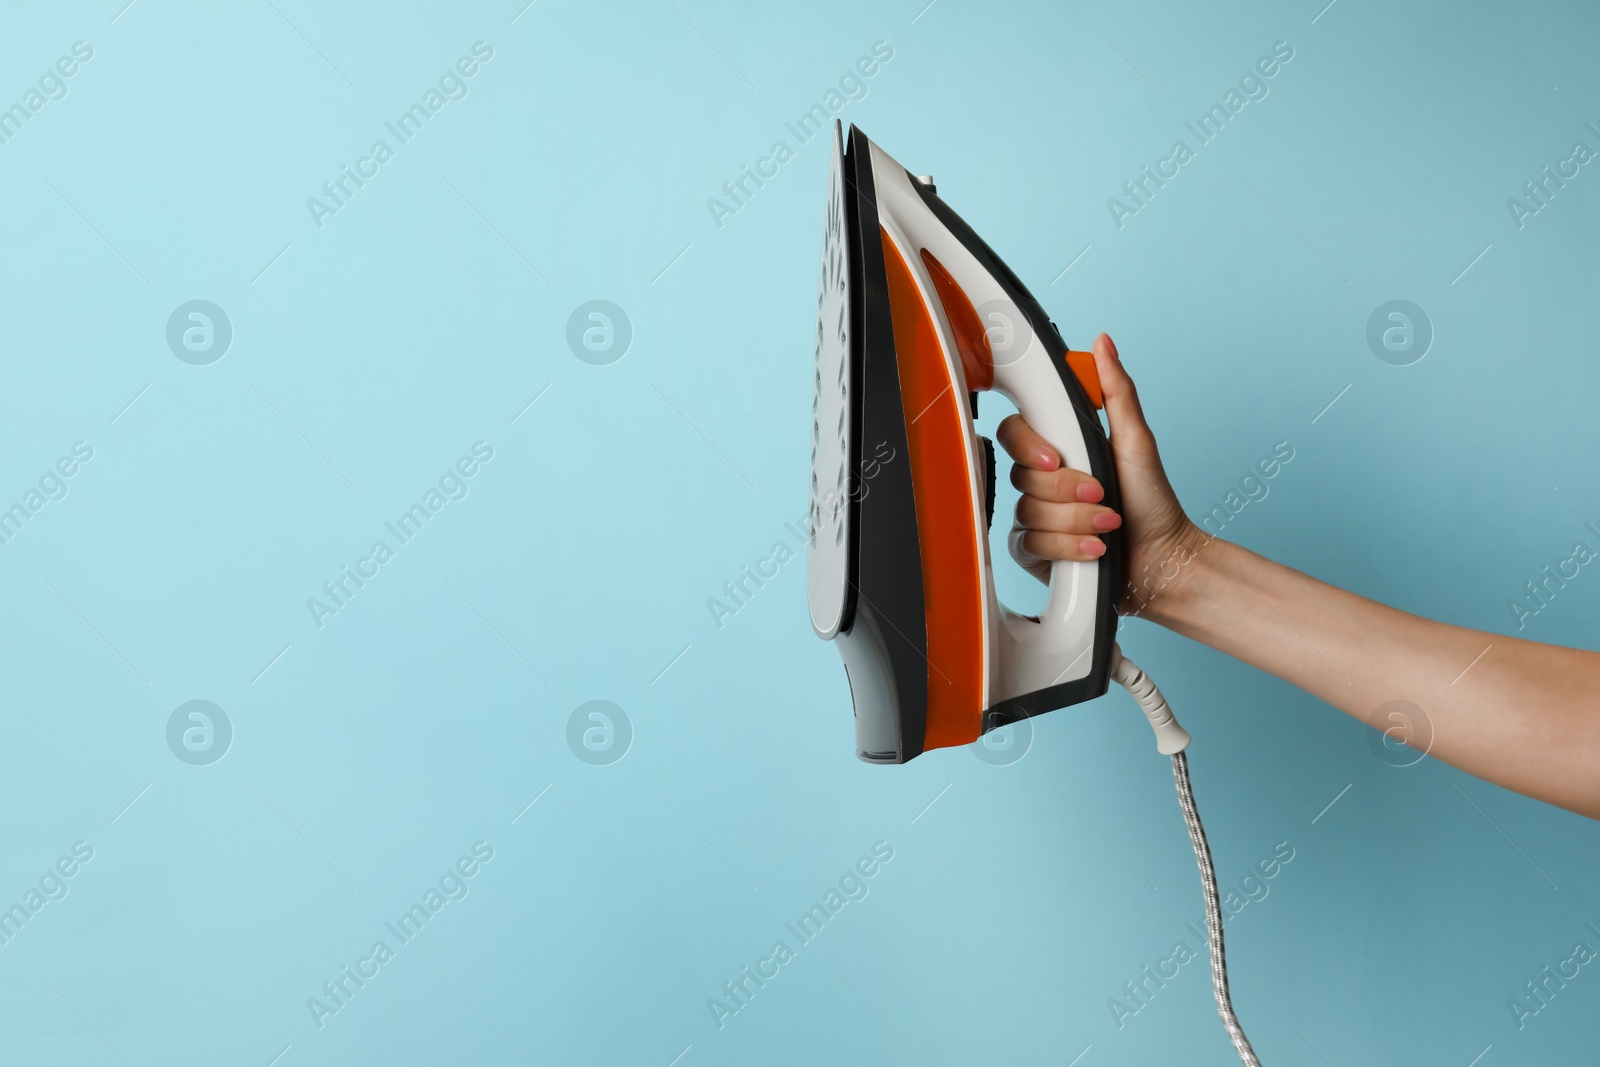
{"type": "Point", "coordinates": [1525, 716]}
{"type": "Point", "coordinates": [1060, 515]}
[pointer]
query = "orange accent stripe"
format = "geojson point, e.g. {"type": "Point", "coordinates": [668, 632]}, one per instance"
{"type": "Point", "coordinates": [1081, 364]}
{"type": "Point", "coordinates": [952, 575]}
{"type": "Point", "coordinates": [972, 341]}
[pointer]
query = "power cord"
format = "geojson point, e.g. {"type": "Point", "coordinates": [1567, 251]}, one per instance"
{"type": "Point", "coordinates": [1171, 740]}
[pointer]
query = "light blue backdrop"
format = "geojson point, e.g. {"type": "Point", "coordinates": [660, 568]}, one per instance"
{"type": "Point", "coordinates": [370, 353]}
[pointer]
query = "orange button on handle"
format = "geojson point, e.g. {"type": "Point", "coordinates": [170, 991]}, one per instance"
{"type": "Point", "coordinates": [1081, 364]}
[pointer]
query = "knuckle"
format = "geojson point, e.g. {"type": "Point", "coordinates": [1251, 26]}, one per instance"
{"type": "Point", "coordinates": [1064, 483]}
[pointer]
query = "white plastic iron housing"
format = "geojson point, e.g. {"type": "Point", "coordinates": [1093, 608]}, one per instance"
{"type": "Point", "coordinates": [1024, 654]}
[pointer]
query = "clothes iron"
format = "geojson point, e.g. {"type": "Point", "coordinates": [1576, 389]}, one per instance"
{"type": "Point", "coordinates": [916, 316]}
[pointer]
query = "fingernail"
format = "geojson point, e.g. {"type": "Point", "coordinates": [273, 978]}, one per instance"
{"type": "Point", "coordinates": [1106, 520]}
{"type": "Point", "coordinates": [1092, 547]}
{"type": "Point", "coordinates": [1047, 460]}
{"type": "Point", "coordinates": [1090, 492]}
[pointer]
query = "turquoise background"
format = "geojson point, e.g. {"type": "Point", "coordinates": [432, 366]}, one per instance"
{"type": "Point", "coordinates": [370, 353]}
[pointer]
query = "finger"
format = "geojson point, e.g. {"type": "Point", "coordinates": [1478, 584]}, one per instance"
{"type": "Point", "coordinates": [1025, 446]}
{"type": "Point", "coordinates": [1123, 410]}
{"type": "Point", "coordinates": [1062, 486]}
{"type": "Point", "coordinates": [1081, 519]}
{"type": "Point", "coordinates": [1074, 548]}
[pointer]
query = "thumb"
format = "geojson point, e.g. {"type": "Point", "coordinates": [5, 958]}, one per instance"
{"type": "Point", "coordinates": [1128, 427]}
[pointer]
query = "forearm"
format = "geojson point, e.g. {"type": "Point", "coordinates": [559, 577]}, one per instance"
{"type": "Point", "coordinates": [1523, 715]}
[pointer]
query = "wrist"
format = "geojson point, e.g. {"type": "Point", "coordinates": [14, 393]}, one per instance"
{"type": "Point", "coordinates": [1174, 588]}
